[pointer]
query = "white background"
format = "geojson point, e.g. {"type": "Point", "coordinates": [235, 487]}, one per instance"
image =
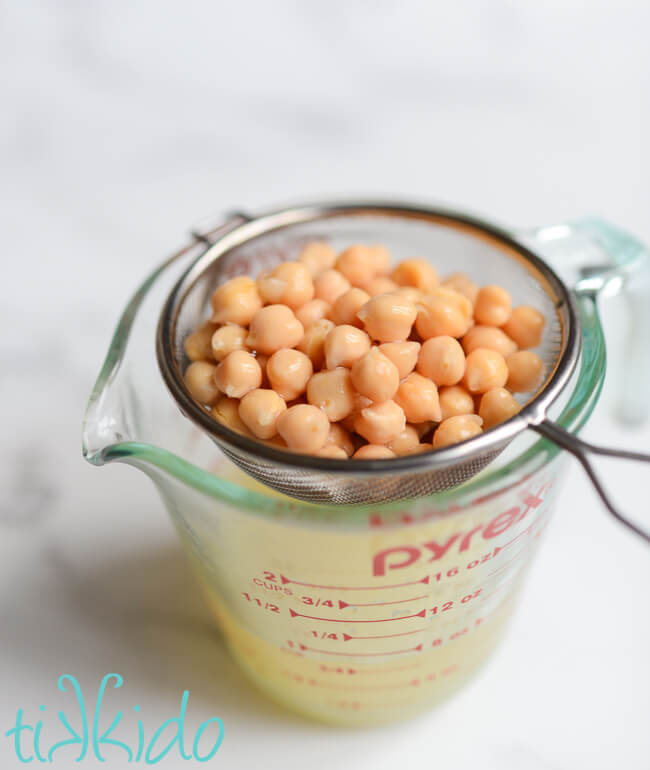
{"type": "Point", "coordinates": [122, 123]}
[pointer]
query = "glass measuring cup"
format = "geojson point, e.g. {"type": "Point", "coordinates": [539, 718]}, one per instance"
{"type": "Point", "coordinates": [361, 614]}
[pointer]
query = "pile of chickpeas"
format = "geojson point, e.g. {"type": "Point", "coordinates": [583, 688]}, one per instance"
{"type": "Point", "coordinates": [342, 355]}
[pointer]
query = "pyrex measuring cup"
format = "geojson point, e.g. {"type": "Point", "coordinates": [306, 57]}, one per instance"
{"type": "Point", "coordinates": [357, 614]}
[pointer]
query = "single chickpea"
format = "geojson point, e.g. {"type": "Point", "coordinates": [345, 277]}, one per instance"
{"type": "Point", "coordinates": [226, 339]}
{"type": "Point", "coordinates": [373, 452]}
{"type": "Point", "coordinates": [289, 372]}
{"type": "Point", "coordinates": [442, 360]}
{"type": "Point", "coordinates": [375, 376]}
{"type": "Point", "coordinates": [497, 406]}
{"type": "Point", "coordinates": [340, 438]}
{"type": "Point", "coordinates": [259, 410]}
{"type": "Point", "coordinates": [380, 423]}
{"type": "Point", "coordinates": [304, 428]}
{"type": "Point", "coordinates": [491, 337]}
{"type": "Point", "coordinates": [290, 284]}
{"type": "Point", "coordinates": [418, 397]}
{"type": "Point", "coordinates": [346, 307]}
{"type": "Point", "coordinates": [410, 293]}
{"type": "Point", "coordinates": [197, 344]}
{"type": "Point", "coordinates": [457, 429]}
{"type": "Point", "coordinates": [463, 284]}
{"type": "Point", "coordinates": [237, 374]}
{"type": "Point", "coordinates": [199, 380]}
{"type": "Point", "coordinates": [344, 345]}
{"type": "Point", "coordinates": [333, 451]}
{"type": "Point", "coordinates": [406, 443]}
{"type": "Point", "coordinates": [524, 371]}
{"type": "Point", "coordinates": [525, 326]}
{"type": "Point", "coordinates": [416, 272]}
{"type": "Point", "coordinates": [388, 317]}
{"type": "Point", "coordinates": [317, 257]}
{"type": "Point", "coordinates": [403, 354]}
{"type": "Point", "coordinates": [236, 302]}
{"type": "Point", "coordinates": [274, 327]}
{"type": "Point", "coordinates": [484, 369]}
{"type": "Point", "coordinates": [493, 306]}
{"type": "Point", "coordinates": [443, 312]}
{"type": "Point", "coordinates": [312, 311]}
{"type": "Point", "coordinates": [357, 264]}
{"type": "Point", "coordinates": [332, 392]}
{"type": "Point", "coordinates": [313, 342]}
{"type": "Point", "coordinates": [226, 411]}
{"type": "Point", "coordinates": [454, 401]}
{"type": "Point", "coordinates": [380, 285]}
{"type": "Point", "coordinates": [329, 285]}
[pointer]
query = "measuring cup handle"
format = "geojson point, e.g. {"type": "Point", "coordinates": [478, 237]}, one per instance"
{"type": "Point", "coordinates": [580, 450]}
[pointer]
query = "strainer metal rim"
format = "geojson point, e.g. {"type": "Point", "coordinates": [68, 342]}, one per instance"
{"type": "Point", "coordinates": [532, 413]}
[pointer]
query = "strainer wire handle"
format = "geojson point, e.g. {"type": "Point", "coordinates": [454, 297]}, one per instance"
{"type": "Point", "coordinates": [580, 450]}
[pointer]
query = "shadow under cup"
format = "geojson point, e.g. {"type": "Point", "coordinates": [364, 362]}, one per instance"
{"type": "Point", "coordinates": [349, 614]}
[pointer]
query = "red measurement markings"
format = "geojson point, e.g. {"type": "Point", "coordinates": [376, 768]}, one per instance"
{"type": "Point", "coordinates": [304, 648]}
{"type": "Point", "coordinates": [286, 580]}
{"type": "Point", "coordinates": [343, 605]}
{"type": "Point", "coordinates": [265, 605]}
{"type": "Point", "coordinates": [295, 614]}
{"type": "Point", "coordinates": [348, 638]}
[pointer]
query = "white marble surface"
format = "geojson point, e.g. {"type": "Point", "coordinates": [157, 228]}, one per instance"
{"type": "Point", "coordinates": [122, 124]}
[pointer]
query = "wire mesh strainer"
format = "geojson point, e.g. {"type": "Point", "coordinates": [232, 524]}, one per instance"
{"type": "Point", "coordinates": [452, 242]}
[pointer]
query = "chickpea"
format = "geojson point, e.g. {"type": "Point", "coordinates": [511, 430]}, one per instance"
{"type": "Point", "coordinates": [497, 406]}
{"type": "Point", "coordinates": [329, 286]}
{"type": "Point", "coordinates": [237, 374]}
{"type": "Point", "coordinates": [454, 401]}
{"type": "Point", "coordinates": [416, 272]}
{"type": "Point", "coordinates": [317, 257]}
{"type": "Point", "coordinates": [226, 411]}
{"type": "Point", "coordinates": [199, 380]}
{"type": "Point", "coordinates": [259, 410]}
{"type": "Point", "coordinates": [274, 327]}
{"type": "Point", "coordinates": [463, 284]}
{"type": "Point", "coordinates": [410, 293]}
{"type": "Point", "coordinates": [289, 372]}
{"type": "Point", "coordinates": [333, 451]}
{"type": "Point", "coordinates": [380, 423]}
{"type": "Point", "coordinates": [357, 264]}
{"type": "Point", "coordinates": [344, 345]}
{"type": "Point", "coordinates": [304, 428]}
{"type": "Point", "coordinates": [373, 452]}
{"type": "Point", "coordinates": [388, 317]}
{"type": "Point", "coordinates": [493, 306]}
{"type": "Point", "coordinates": [524, 371]}
{"type": "Point", "coordinates": [346, 307]}
{"type": "Point", "coordinates": [406, 443]}
{"type": "Point", "coordinates": [442, 360]}
{"type": "Point", "coordinates": [457, 429]}
{"type": "Point", "coordinates": [380, 285]}
{"type": "Point", "coordinates": [226, 339]}
{"type": "Point", "coordinates": [491, 337]}
{"type": "Point", "coordinates": [422, 448]}
{"type": "Point", "coordinates": [359, 402]}
{"type": "Point", "coordinates": [443, 312]}
{"type": "Point", "coordinates": [418, 397]}
{"type": "Point", "coordinates": [236, 302]}
{"type": "Point", "coordinates": [525, 326]}
{"type": "Point", "coordinates": [289, 284]}
{"type": "Point", "coordinates": [312, 311]}
{"type": "Point", "coordinates": [340, 438]}
{"type": "Point", "coordinates": [484, 369]}
{"type": "Point", "coordinates": [197, 344]}
{"type": "Point", "coordinates": [375, 376]}
{"type": "Point", "coordinates": [403, 354]}
{"type": "Point", "coordinates": [332, 392]}
{"type": "Point", "coordinates": [313, 342]}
